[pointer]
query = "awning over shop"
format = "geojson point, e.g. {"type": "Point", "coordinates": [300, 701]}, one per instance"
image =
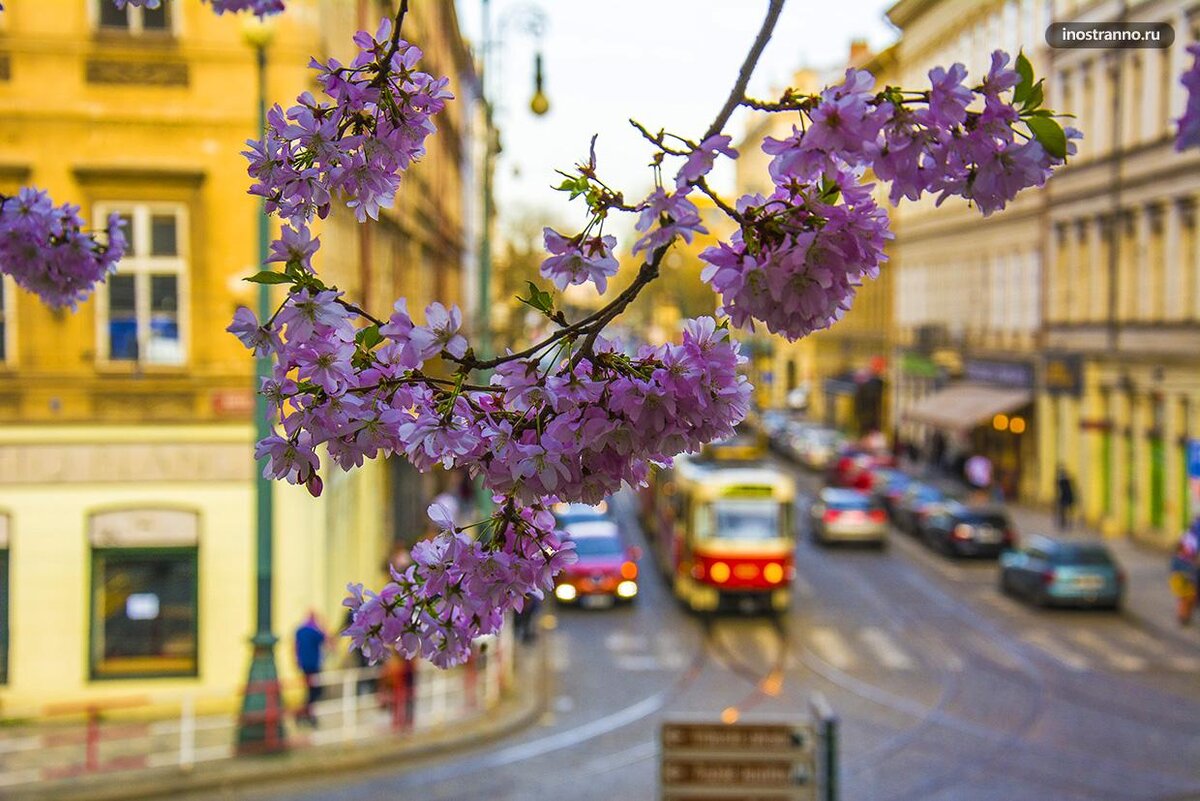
{"type": "Point", "coordinates": [963, 406]}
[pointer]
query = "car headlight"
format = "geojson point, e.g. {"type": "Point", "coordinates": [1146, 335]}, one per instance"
{"type": "Point", "coordinates": [627, 589]}
{"type": "Point", "coordinates": [565, 592]}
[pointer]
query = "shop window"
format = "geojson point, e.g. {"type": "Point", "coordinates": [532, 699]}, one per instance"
{"type": "Point", "coordinates": [144, 617]}
{"type": "Point", "coordinates": [142, 307]}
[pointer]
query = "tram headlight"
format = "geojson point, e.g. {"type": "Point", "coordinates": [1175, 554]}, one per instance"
{"type": "Point", "coordinates": [565, 592]}
{"type": "Point", "coordinates": [719, 572]}
{"type": "Point", "coordinates": [773, 572]}
{"type": "Point", "coordinates": [627, 589]}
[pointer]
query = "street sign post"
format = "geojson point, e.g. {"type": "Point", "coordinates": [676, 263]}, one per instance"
{"type": "Point", "coordinates": [704, 761]}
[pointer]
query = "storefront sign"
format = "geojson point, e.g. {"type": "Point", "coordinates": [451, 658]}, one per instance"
{"type": "Point", "coordinates": [1001, 373]}
{"type": "Point", "coordinates": [915, 364]}
{"type": "Point", "coordinates": [1063, 375]}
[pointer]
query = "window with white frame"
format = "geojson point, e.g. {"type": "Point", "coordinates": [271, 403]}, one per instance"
{"type": "Point", "coordinates": [142, 307]}
{"type": "Point", "coordinates": [132, 19]}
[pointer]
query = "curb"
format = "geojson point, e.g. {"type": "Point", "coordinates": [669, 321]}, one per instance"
{"type": "Point", "coordinates": [523, 708]}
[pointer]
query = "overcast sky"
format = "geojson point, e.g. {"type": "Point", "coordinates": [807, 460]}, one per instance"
{"type": "Point", "coordinates": [667, 63]}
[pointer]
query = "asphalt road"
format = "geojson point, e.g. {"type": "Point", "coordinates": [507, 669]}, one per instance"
{"type": "Point", "coordinates": [946, 691]}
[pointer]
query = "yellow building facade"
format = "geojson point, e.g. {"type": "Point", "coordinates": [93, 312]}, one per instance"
{"type": "Point", "coordinates": [1122, 283]}
{"type": "Point", "coordinates": [126, 473]}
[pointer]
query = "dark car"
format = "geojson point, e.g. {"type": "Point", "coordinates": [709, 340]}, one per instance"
{"type": "Point", "coordinates": [958, 529]}
{"type": "Point", "coordinates": [606, 569]}
{"type": "Point", "coordinates": [918, 501]}
{"type": "Point", "coordinates": [887, 485]}
{"type": "Point", "coordinates": [1049, 571]}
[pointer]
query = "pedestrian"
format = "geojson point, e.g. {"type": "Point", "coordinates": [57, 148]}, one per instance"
{"type": "Point", "coordinates": [310, 642]}
{"type": "Point", "coordinates": [1183, 582]}
{"type": "Point", "coordinates": [937, 450]}
{"type": "Point", "coordinates": [523, 620]}
{"type": "Point", "coordinates": [1064, 501]}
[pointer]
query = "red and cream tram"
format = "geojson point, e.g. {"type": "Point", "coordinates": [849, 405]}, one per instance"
{"type": "Point", "coordinates": [722, 533]}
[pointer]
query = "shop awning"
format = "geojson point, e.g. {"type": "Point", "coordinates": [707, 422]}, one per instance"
{"type": "Point", "coordinates": [962, 406]}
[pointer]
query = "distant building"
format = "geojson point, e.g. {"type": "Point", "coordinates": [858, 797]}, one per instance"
{"type": "Point", "coordinates": [126, 472]}
{"type": "Point", "coordinates": [968, 300]}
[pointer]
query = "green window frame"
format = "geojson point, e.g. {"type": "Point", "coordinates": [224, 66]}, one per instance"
{"type": "Point", "coordinates": [156, 633]}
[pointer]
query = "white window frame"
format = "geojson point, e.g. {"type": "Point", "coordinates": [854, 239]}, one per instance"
{"type": "Point", "coordinates": [9, 310]}
{"type": "Point", "coordinates": [143, 264]}
{"type": "Point", "coordinates": [135, 16]}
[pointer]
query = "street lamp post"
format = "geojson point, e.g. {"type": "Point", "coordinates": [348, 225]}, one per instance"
{"type": "Point", "coordinates": [260, 727]}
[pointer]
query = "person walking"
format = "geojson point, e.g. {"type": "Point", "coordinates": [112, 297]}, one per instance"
{"type": "Point", "coordinates": [310, 642]}
{"type": "Point", "coordinates": [1064, 500]}
{"type": "Point", "coordinates": [1183, 582]}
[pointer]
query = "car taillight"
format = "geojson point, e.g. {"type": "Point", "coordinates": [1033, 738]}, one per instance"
{"type": "Point", "coordinates": [831, 515]}
{"type": "Point", "coordinates": [1048, 577]}
{"type": "Point", "coordinates": [962, 532]}
{"type": "Point", "coordinates": [877, 516]}
{"type": "Point", "coordinates": [628, 570]}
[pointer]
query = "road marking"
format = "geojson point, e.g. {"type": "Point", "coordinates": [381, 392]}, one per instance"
{"type": "Point", "coordinates": [885, 649]}
{"type": "Point", "coordinates": [1161, 653]}
{"type": "Point", "coordinates": [1054, 648]}
{"type": "Point", "coordinates": [830, 646]}
{"type": "Point", "coordinates": [1108, 650]}
{"type": "Point", "coordinates": [625, 641]}
{"type": "Point", "coordinates": [560, 657]}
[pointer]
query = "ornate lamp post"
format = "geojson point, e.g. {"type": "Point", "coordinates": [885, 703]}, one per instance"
{"type": "Point", "coordinates": [260, 727]}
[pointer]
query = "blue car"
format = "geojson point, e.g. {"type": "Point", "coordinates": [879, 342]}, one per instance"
{"type": "Point", "coordinates": [1053, 572]}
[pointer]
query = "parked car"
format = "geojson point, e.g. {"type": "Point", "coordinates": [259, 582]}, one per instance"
{"type": "Point", "coordinates": [1068, 572]}
{"type": "Point", "coordinates": [606, 571]}
{"type": "Point", "coordinates": [887, 485]}
{"type": "Point", "coordinates": [852, 467]}
{"type": "Point", "coordinates": [816, 447]}
{"type": "Point", "coordinates": [919, 499]}
{"type": "Point", "coordinates": [848, 515]}
{"type": "Point", "coordinates": [959, 529]}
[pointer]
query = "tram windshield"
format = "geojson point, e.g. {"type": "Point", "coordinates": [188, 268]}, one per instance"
{"type": "Point", "coordinates": [740, 521]}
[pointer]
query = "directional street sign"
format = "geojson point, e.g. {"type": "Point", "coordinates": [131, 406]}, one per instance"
{"type": "Point", "coordinates": [746, 762]}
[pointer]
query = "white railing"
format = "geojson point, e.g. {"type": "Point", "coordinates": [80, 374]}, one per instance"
{"type": "Point", "coordinates": [186, 729]}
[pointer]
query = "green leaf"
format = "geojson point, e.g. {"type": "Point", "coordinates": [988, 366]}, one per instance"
{"type": "Point", "coordinates": [1050, 134]}
{"type": "Point", "coordinates": [1025, 85]}
{"type": "Point", "coordinates": [1035, 96]}
{"type": "Point", "coordinates": [539, 299]}
{"type": "Point", "coordinates": [269, 277]}
{"type": "Point", "coordinates": [368, 337]}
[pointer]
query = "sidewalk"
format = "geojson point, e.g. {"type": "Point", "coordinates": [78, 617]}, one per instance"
{"type": "Point", "coordinates": [312, 754]}
{"type": "Point", "coordinates": [1146, 595]}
